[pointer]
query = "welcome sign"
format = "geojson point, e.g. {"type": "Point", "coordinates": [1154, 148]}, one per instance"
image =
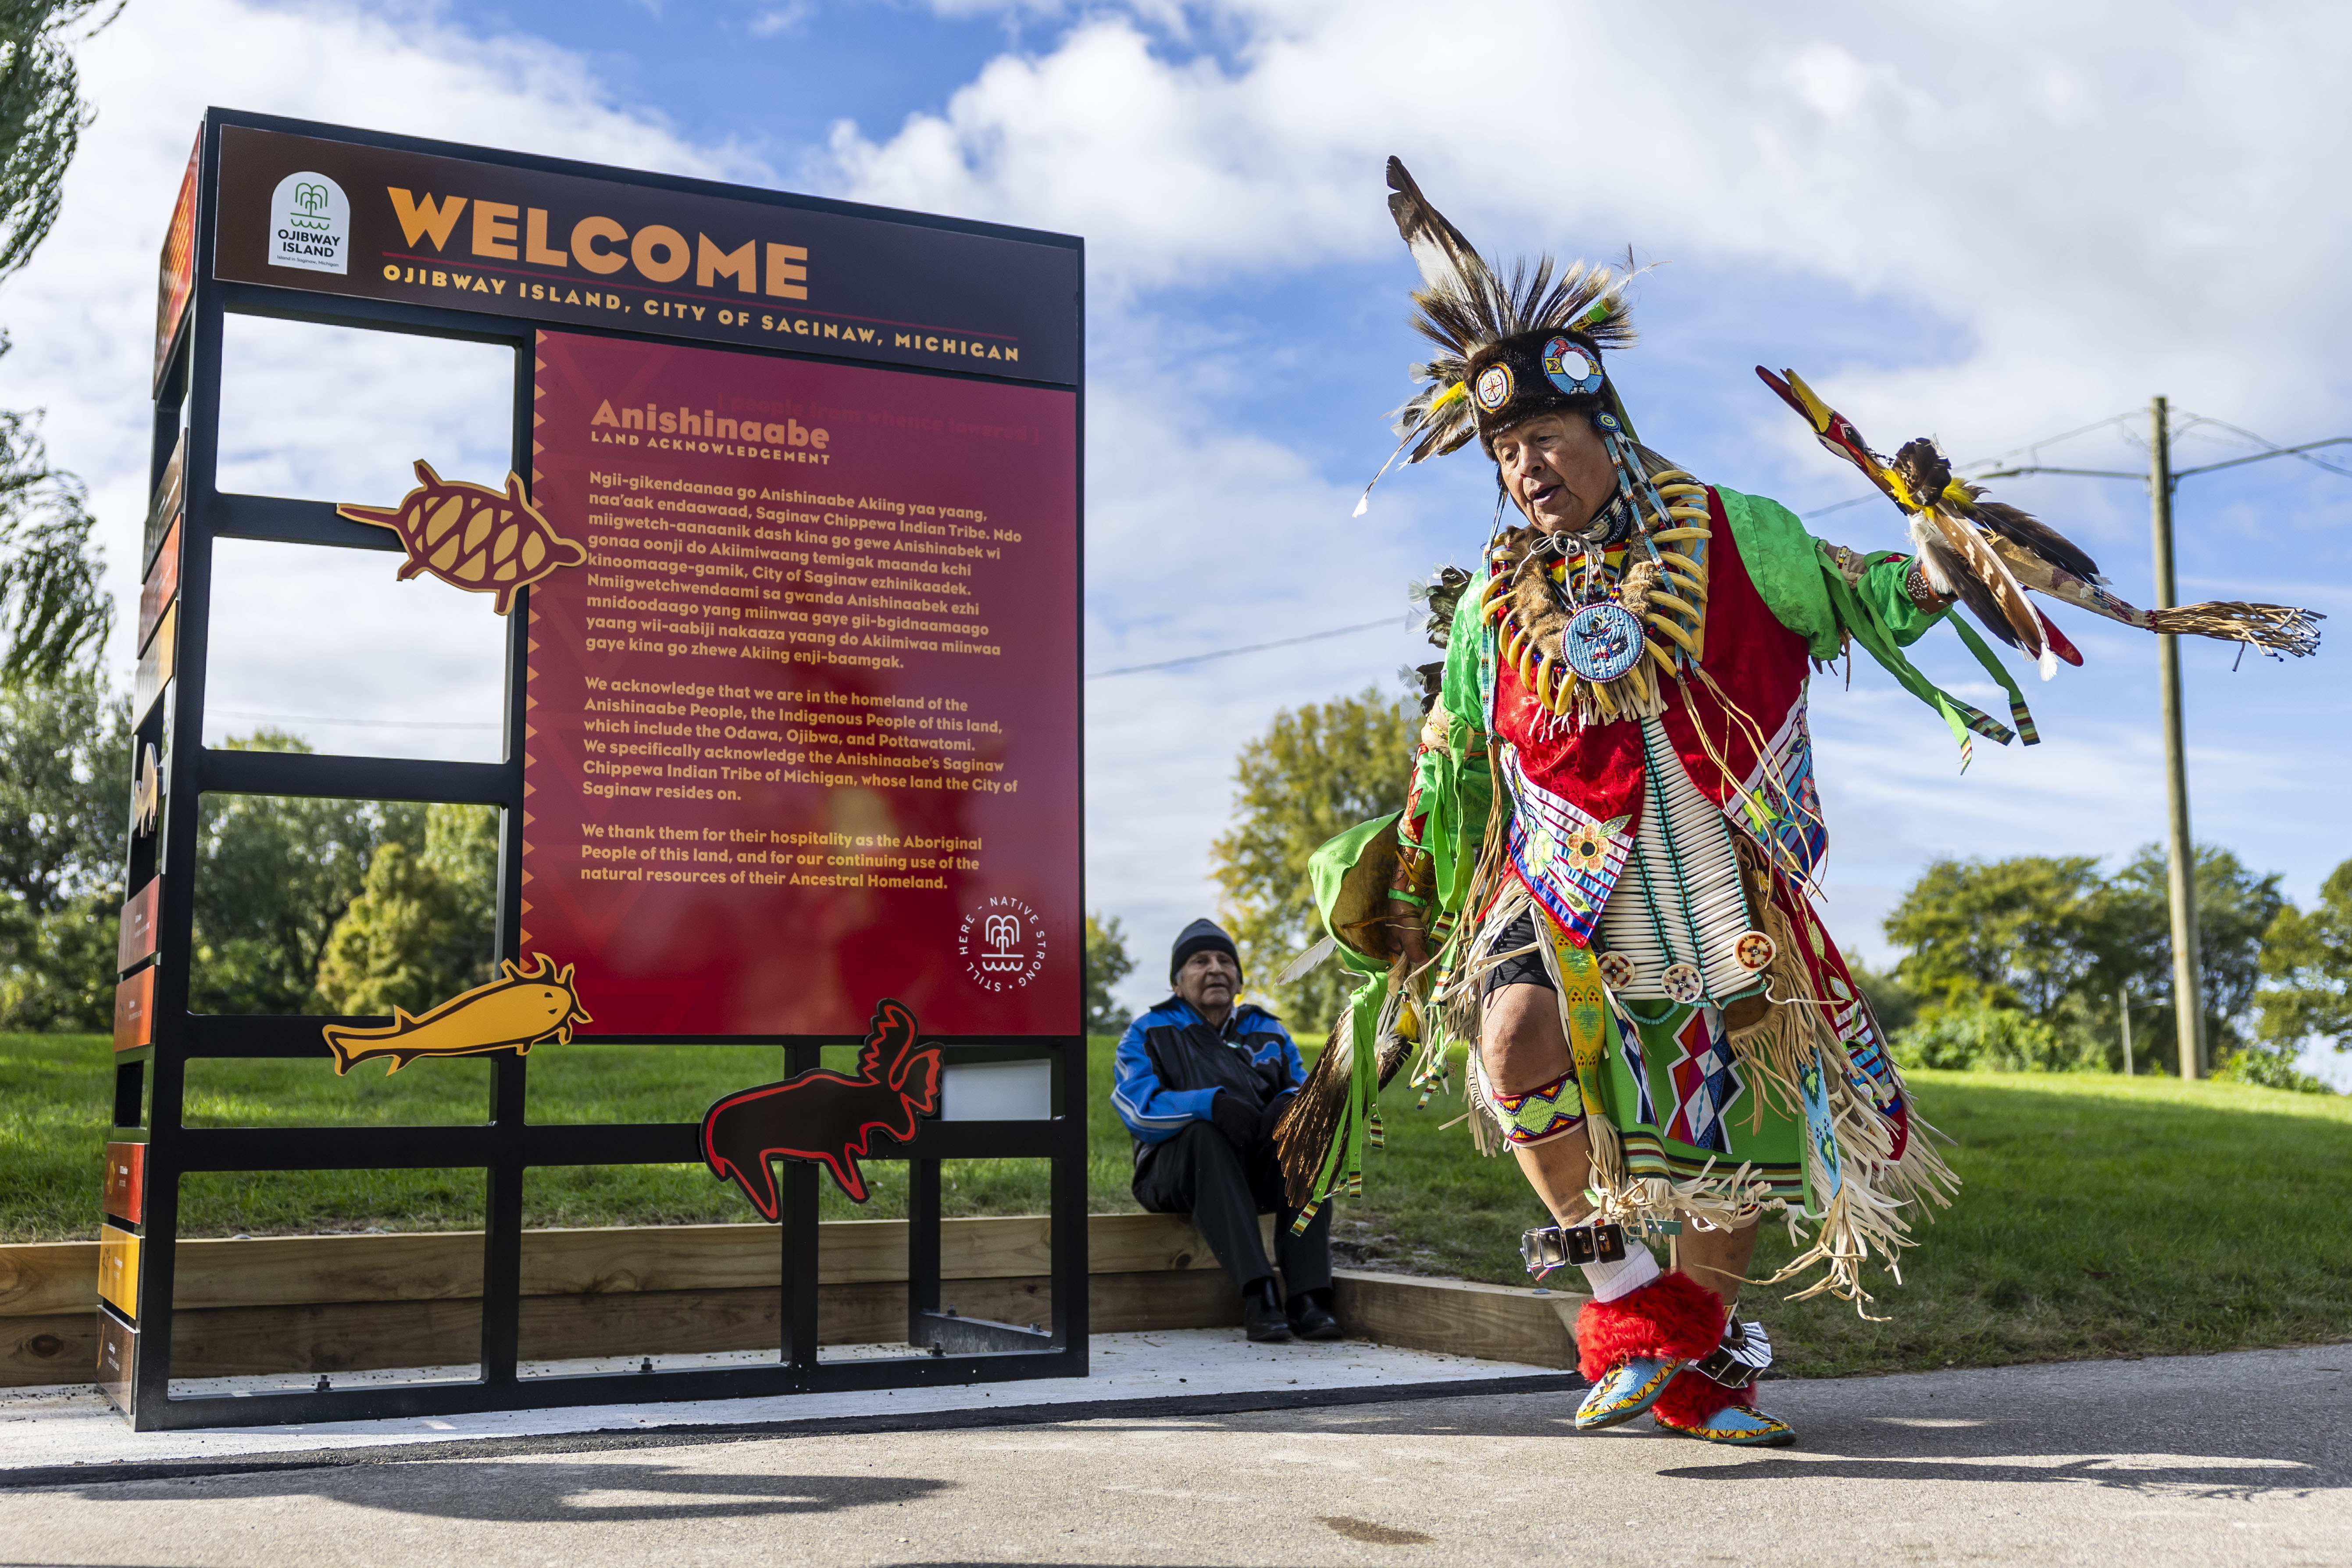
{"type": "Point", "coordinates": [787, 546]}
{"type": "Point", "coordinates": [463, 234]}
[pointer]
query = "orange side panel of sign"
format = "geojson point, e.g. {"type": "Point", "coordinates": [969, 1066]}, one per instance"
{"type": "Point", "coordinates": [162, 588]}
{"type": "Point", "coordinates": [135, 1011]}
{"type": "Point", "coordinates": [126, 1182]}
{"type": "Point", "coordinates": [805, 728]}
{"type": "Point", "coordinates": [164, 510]}
{"type": "Point", "coordinates": [176, 270]}
{"type": "Point", "coordinates": [118, 1271]}
{"type": "Point", "coordinates": [138, 937]}
{"type": "Point", "coordinates": [156, 665]}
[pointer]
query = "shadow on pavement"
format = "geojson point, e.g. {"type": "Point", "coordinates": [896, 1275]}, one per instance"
{"type": "Point", "coordinates": [552, 1493]}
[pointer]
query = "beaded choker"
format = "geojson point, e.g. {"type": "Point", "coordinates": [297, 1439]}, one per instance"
{"type": "Point", "coordinates": [1595, 644]}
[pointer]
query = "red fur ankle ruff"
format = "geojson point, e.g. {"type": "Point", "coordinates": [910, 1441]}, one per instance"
{"type": "Point", "coordinates": [1673, 1316]}
{"type": "Point", "coordinates": [1692, 1400]}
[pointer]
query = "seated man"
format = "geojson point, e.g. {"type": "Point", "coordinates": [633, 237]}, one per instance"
{"type": "Point", "coordinates": [1199, 1084]}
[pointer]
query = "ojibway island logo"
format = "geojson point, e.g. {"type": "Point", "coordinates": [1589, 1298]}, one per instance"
{"type": "Point", "coordinates": [309, 223]}
{"type": "Point", "coordinates": [1002, 944]}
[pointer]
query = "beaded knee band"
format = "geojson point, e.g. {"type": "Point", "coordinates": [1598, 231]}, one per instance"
{"type": "Point", "coordinates": [1549, 1110]}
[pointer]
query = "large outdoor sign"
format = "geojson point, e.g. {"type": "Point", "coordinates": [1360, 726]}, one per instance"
{"type": "Point", "coordinates": [788, 553]}
{"type": "Point", "coordinates": [802, 727]}
{"type": "Point", "coordinates": [507, 239]}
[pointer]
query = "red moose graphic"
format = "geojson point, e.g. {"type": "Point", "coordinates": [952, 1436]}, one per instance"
{"type": "Point", "coordinates": [826, 1115]}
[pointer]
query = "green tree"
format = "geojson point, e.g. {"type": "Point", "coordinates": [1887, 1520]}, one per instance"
{"type": "Point", "coordinates": [2014, 933]}
{"type": "Point", "coordinates": [1316, 772]}
{"type": "Point", "coordinates": [274, 877]}
{"type": "Point", "coordinates": [2234, 908]}
{"type": "Point", "coordinates": [423, 927]}
{"type": "Point", "coordinates": [1107, 963]}
{"type": "Point", "coordinates": [2001, 1039]}
{"type": "Point", "coordinates": [2308, 961]}
{"type": "Point", "coordinates": [49, 575]}
{"type": "Point", "coordinates": [65, 805]}
{"type": "Point", "coordinates": [2053, 941]}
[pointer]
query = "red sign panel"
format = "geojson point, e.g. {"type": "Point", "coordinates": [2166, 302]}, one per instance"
{"type": "Point", "coordinates": [162, 587]}
{"type": "Point", "coordinates": [175, 270]}
{"type": "Point", "coordinates": [803, 729]}
{"type": "Point", "coordinates": [135, 1011]}
{"type": "Point", "coordinates": [126, 1182]}
{"type": "Point", "coordinates": [135, 938]}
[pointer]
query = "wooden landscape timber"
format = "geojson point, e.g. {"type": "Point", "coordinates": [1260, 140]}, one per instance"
{"type": "Point", "coordinates": [351, 1303]}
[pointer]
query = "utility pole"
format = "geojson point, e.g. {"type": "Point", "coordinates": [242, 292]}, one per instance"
{"type": "Point", "coordinates": [2123, 1010]}
{"type": "Point", "coordinates": [2188, 993]}
{"type": "Point", "coordinates": [2188, 989]}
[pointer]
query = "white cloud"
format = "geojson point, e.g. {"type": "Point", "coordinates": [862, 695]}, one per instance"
{"type": "Point", "coordinates": [783, 21]}
{"type": "Point", "coordinates": [2099, 199]}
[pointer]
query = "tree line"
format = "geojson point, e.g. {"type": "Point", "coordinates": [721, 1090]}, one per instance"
{"type": "Point", "coordinates": [302, 906]}
{"type": "Point", "coordinates": [2023, 964]}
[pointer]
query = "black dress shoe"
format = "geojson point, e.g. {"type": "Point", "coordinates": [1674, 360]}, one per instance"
{"type": "Point", "coordinates": [1263, 1320]}
{"type": "Point", "coordinates": [1311, 1320]}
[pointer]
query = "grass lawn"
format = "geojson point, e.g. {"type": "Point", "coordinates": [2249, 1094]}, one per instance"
{"type": "Point", "coordinates": [2099, 1216]}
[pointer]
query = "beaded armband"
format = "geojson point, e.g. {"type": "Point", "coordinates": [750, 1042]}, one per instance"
{"type": "Point", "coordinates": [1921, 593]}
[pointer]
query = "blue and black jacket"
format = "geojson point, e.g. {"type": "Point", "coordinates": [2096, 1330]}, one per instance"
{"type": "Point", "coordinates": [1172, 1062]}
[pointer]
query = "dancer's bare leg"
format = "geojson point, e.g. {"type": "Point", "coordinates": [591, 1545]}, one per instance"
{"type": "Point", "coordinates": [1717, 1259]}
{"type": "Point", "coordinates": [1524, 1048]}
{"type": "Point", "coordinates": [1521, 1043]}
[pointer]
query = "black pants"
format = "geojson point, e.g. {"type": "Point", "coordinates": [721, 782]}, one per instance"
{"type": "Point", "coordinates": [1198, 1173]}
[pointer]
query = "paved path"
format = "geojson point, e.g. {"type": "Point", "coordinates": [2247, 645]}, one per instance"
{"type": "Point", "coordinates": [2135, 1463]}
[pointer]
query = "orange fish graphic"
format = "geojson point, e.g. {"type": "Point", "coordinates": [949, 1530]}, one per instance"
{"type": "Point", "coordinates": [471, 537]}
{"type": "Point", "coordinates": [527, 1008]}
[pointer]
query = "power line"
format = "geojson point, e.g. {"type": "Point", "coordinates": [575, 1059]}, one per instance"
{"type": "Point", "coordinates": [1252, 647]}
{"type": "Point", "coordinates": [2270, 448]}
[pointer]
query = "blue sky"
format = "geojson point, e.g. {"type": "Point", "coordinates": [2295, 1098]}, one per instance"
{"type": "Point", "coordinates": [2071, 211]}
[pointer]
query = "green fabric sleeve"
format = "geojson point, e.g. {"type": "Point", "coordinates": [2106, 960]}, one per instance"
{"type": "Point", "coordinates": [1350, 874]}
{"type": "Point", "coordinates": [1458, 785]}
{"type": "Point", "coordinates": [1882, 589]}
{"type": "Point", "coordinates": [1859, 615]}
{"type": "Point", "coordinates": [1780, 558]}
{"type": "Point", "coordinates": [1461, 693]}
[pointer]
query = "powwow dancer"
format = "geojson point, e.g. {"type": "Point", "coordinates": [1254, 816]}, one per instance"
{"type": "Point", "coordinates": [1664, 1035]}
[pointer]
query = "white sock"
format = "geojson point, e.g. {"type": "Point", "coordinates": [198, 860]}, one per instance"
{"type": "Point", "coordinates": [1622, 1278]}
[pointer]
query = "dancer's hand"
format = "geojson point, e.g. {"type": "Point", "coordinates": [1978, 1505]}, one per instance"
{"type": "Point", "coordinates": [1407, 937]}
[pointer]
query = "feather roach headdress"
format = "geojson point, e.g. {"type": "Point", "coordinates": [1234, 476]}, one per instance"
{"type": "Point", "coordinates": [1509, 345]}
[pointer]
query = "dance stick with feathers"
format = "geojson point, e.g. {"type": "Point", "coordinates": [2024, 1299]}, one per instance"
{"type": "Point", "coordinates": [1986, 553]}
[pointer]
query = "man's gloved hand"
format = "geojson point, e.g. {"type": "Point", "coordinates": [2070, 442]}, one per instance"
{"type": "Point", "coordinates": [1233, 1118]}
{"type": "Point", "coordinates": [1273, 1113]}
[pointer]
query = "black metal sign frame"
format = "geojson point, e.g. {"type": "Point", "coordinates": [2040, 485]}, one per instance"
{"type": "Point", "coordinates": [149, 1078]}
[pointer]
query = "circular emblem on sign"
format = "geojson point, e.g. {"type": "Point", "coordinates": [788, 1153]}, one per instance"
{"type": "Point", "coordinates": [1616, 971]}
{"type": "Point", "coordinates": [1683, 982]}
{"type": "Point", "coordinates": [1754, 950]}
{"type": "Point", "coordinates": [1494, 387]}
{"type": "Point", "coordinates": [1001, 943]}
{"type": "Point", "coordinates": [1571, 366]}
{"type": "Point", "coordinates": [1602, 642]}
